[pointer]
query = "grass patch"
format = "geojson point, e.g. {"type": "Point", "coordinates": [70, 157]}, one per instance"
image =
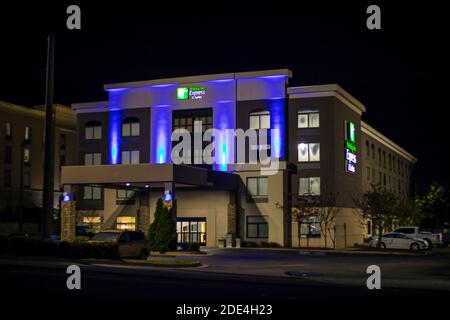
{"type": "Point", "coordinates": [165, 262]}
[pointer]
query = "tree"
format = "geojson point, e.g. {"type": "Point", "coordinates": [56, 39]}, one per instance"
{"type": "Point", "coordinates": [161, 233]}
{"type": "Point", "coordinates": [323, 208]}
{"type": "Point", "coordinates": [408, 213]}
{"type": "Point", "coordinates": [381, 207]}
{"type": "Point", "coordinates": [435, 206]}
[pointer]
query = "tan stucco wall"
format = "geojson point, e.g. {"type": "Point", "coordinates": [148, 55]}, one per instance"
{"type": "Point", "coordinates": [271, 209]}
{"type": "Point", "coordinates": [213, 205]}
{"type": "Point", "coordinates": [353, 233]}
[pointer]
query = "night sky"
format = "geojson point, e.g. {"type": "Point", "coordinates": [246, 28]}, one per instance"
{"type": "Point", "coordinates": [397, 72]}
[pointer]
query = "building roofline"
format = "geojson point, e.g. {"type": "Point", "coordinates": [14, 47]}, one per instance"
{"type": "Point", "coordinates": [327, 90]}
{"type": "Point", "coordinates": [375, 134]}
{"type": "Point", "coordinates": [38, 111]}
{"type": "Point", "coordinates": [199, 78]}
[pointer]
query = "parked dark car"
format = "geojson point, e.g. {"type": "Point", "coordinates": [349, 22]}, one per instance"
{"type": "Point", "coordinates": [131, 243]}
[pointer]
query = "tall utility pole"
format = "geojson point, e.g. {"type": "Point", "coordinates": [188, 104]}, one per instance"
{"type": "Point", "coordinates": [49, 167]}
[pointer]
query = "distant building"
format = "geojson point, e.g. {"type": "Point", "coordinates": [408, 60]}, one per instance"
{"type": "Point", "coordinates": [22, 158]}
{"type": "Point", "coordinates": [323, 146]}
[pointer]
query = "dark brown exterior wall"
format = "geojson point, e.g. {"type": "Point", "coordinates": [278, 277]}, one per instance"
{"type": "Point", "coordinates": [336, 183]}
{"type": "Point", "coordinates": [141, 143]}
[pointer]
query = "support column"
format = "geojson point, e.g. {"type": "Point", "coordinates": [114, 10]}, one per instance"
{"type": "Point", "coordinates": [169, 190]}
{"type": "Point", "coordinates": [68, 220]}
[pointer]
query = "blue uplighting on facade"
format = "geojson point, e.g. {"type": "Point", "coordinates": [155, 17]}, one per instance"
{"type": "Point", "coordinates": [161, 134]}
{"type": "Point", "coordinates": [277, 121]}
{"type": "Point", "coordinates": [114, 136]}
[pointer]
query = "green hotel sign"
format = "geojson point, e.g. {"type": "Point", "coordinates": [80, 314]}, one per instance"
{"type": "Point", "coordinates": [350, 147]}
{"type": "Point", "coordinates": [196, 93]}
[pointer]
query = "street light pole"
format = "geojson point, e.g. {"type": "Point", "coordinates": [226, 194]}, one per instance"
{"type": "Point", "coordinates": [49, 169]}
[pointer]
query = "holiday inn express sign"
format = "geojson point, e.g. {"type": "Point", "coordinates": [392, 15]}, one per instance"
{"type": "Point", "coordinates": [350, 147]}
{"type": "Point", "coordinates": [185, 93]}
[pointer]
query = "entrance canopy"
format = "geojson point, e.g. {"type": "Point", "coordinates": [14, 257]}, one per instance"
{"type": "Point", "coordinates": [147, 175]}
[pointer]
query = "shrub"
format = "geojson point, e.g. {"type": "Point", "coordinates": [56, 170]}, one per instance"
{"type": "Point", "coordinates": [161, 233]}
{"type": "Point", "coordinates": [249, 244]}
{"type": "Point", "coordinates": [193, 246]}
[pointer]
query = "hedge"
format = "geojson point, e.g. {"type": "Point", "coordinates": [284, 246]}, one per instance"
{"type": "Point", "coordinates": [72, 250]}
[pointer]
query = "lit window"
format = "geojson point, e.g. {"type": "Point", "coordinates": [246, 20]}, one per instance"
{"type": "Point", "coordinates": [27, 133]}
{"type": "Point", "coordinates": [131, 127]}
{"type": "Point", "coordinates": [257, 227]}
{"type": "Point", "coordinates": [126, 223]}
{"type": "Point", "coordinates": [130, 157]}
{"type": "Point", "coordinates": [309, 227]}
{"type": "Point", "coordinates": [191, 230]}
{"type": "Point", "coordinates": [93, 223]}
{"type": "Point", "coordinates": [309, 186]}
{"type": "Point", "coordinates": [93, 131]}
{"type": "Point", "coordinates": [308, 119]}
{"type": "Point", "coordinates": [92, 193]}
{"type": "Point", "coordinates": [8, 130]}
{"type": "Point", "coordinates": [308, 152]}
{"type": "Point", "coordinates": [257, 186]}
{"type": "Point", "coordinates": [92, 159]}
{"type": "Point", "coordinates": [260, 120]}
{"type": "Point", "coordinates": [124, 194]}
{"type": "Point", "coordinates": [26, 156]}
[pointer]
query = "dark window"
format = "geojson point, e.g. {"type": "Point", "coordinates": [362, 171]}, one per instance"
{"type": "Point", "coordinates": [8, 154]}
{"type": "Point", "coordinates": [7, 179]}
{"type": "Point", "coordinates": [257, 227]}
{"type": "Point", "coordinates": [92, 193]}
{"type": "Point", "coordinates": [186, 119]}
{"type": "Point", "coordinates": [373, 151]}
{"type": "Point", "coordinates": [191, 230]}
{"type": "Point", "coordinates": [257, 187]}
{"type": "Point", "coordinates": [131, 127]}
{"type": "Point", "coordinates": [367, 149]}
{"type": "Point", "coordinates": [26, 180]}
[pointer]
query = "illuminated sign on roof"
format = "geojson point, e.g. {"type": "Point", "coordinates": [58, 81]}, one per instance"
{"type": "Point", "coordinates": [196, 93]}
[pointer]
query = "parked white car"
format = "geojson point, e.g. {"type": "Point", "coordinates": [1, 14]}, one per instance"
{"type": "Point", "coordinates": [416, 232]}
{"type": "Point", "coordinates": [395, 240]}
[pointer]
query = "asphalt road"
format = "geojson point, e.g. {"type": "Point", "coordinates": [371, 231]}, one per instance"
{"type": "Point", "coordinates": [46, 280]}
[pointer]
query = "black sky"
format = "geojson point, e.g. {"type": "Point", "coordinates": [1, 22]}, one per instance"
{"type": "Point", "coordinates": [398, 72]}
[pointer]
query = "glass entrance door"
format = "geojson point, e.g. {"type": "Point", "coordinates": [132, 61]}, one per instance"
{"type": "Point", "coordinates": [191, 230]}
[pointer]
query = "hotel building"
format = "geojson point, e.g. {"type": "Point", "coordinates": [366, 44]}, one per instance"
{"type": "Point", "coordinates": [22, 163]}
{"type": "Point", "coordinates": [323, 148]}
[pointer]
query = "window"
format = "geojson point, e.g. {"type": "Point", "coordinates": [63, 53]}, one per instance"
{"type": "Point", "coordinates": [379, 157]}
{"type": "Point", "coordinates": [373, 174]}
{"type": "Point", "coordinates": [257, 227]}
{"type": "Point", "coordinates": [26, 180]}
{"type": "Point", "coordinates": [367, 149]}
{"type": "Point", "coordinates": [8, 154]}
{"type": "Point", "coordinates": [26, 156]}
{"type": "Point", "coordinates": [369, 227]}
{"type": "Point", "coordinates": [308, 152]}
{"type": "Point", "coordinates": [309, 186]}
{"type": "Point", "coordinates": [92, 193]}
{"type": "Point", "coordinates": [8, 130]}
{"type": "Point", "coordinates": [7, 179]}
{"type": "Point", "coordinates": [27, 133]}
{"type": "Point", "coordinates": [93, 223]}
{"type": "Point", "coordinates": [309, 227]}
{"type": "Point", "coordinates": [191, 230]}
{"type": "Point", "coordinates": [124, 194]}
{"type": "Point", "coordinates": [130, 157]}
{"type": "Point", "coordinates": [93, 130]}
{"type": "Point", "coordinates": [384, 159]}
{"type": "Point", "coordinates": [257, 187]}
{"type": "Point", "coordinates": [308, 119]}
{"type": "Point", "coordinates": [131, 127]}
{"type": "Point", "coordinates": [185, 119]}
{"type": "Point", "coordinates": [373, 151]}
{"type": "Point", "coordinates": [92, 159]}
{"type": "Point", "coordinates": [368, 173]}
{"type": "Point", "coordinates": [259, 120]}
{"type": "Point", "coordinates": [126, 223]}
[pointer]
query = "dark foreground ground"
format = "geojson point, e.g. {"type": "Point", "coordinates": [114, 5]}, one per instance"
{"type": "Point", "coordinates": [338, 280]}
